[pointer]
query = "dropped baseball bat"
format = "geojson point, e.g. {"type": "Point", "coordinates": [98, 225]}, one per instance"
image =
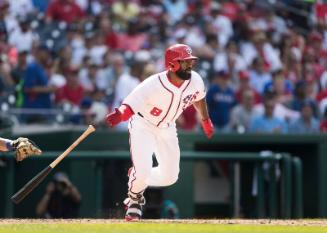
{"type": "Point", "coordinates": [24, 191]}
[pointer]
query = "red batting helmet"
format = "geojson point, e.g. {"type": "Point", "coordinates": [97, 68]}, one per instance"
{"type": "Point", "coordinates": [175, 53]}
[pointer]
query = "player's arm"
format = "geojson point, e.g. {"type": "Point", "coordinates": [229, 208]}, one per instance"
{"type": "Point", "coordinates": [5, 145]}
{"type": "Point", "coordinates": [201, 107]}
{"type": "Point", "coordinates": [131, 104]}
{"type": "Point", "coordinates": [23, 147]}
{"type": "Point", "coordinates": [123, 113]}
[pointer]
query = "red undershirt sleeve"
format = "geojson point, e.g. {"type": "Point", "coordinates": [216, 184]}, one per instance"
{"type": "Point", "coordinates": [126, 112]}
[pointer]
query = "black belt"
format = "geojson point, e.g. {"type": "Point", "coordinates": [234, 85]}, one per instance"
{"type": "Point", "coordinates": [140, 114]}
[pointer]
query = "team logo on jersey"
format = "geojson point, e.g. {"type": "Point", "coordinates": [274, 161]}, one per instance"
{"type": "Point", "coordinates": [187, 100]}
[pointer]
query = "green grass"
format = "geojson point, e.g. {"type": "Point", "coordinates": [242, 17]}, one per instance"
{"type": "Point", "coordinates": [155, 228]}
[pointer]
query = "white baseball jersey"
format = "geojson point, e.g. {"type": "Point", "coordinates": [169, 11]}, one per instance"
{"type": "Point", "coordinates": [157, 103]}
{"type": "Point", "coordinates": [160, 102]}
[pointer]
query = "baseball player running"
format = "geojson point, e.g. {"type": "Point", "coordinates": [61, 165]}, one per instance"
{"type": "Point", "coordinates": [23, 147]}
{"type": "Point", "coordinates": [152, 109]}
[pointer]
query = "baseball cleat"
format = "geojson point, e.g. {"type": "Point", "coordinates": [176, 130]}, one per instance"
{"type": "Point", "coordinates": [134, 207]}
{"type": "Point", "coordinates": [134, 212]}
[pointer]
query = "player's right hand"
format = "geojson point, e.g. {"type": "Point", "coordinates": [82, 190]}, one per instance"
{"type": "Point", "coordinates": [114, 118]}
{"type": "Point", "coordinates": [208, 127]}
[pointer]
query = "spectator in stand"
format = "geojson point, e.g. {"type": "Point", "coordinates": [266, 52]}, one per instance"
{"type": "Point", "coordinates": [244, 85]}
{"type": "Point", "coordinates": [230, 59]}
{"type": "Point", "coordinates": [311, 63]}
{"type": "Point", "coordinates": [125, 85]}
{"type": "Point", "coordinates": [21, 8]}
{"type": "Point", "coordinates": [23, 38]}
{"type": "Point", "coordinates": [111, 38]}
{"type": "Point", "coordinates": [242, 113]}
{"type": "Point", "coordinates": [7, 83]}
{"type": "Point", "coordinates": [127, 82]}
{"type": "Point", "coordinates": [311, 87]}
{"type": "Point", "coordinates": [132, 40]}
{"type": "Point", "coordinates": [300, 96]}
{"type": "Point", "coordinates": [114, 67]}
{"type": "Point", "coordinates": [292, 46]}
{"type": "Point", "coordinates": [149, 69]}
{"type": "Point", "coordinates": [123, 12]}
{"type": "Point", "coordinates": [36, 88]}
{"type": "Point", "coordinates": [259, 46]}
{"type": "Point", "coordinates": [61, 199]}
{"type": "Point", "coordinates": [276, 25]}
{"type": "Point", "coordinates": [81, 45]}
{"type": "Point", "coordinates": [267, 122]}
{"type": "Point", "coordinates": [18, 74]}
{"type": "Point", "coordinates": [258, 76]}
{"type": "Point", "coordinates": [73, 91]}
{"type": "Point", "coordinates": [98, 49]}
{"type": "Point", "coordinates": [320, 12]}
{"type": "Point", "coordinates": [188, 120]}
{"type": "Point", "coordinates": [41, 5]}
{"type": "Point", "coordinates": [209, 50]}
{"type": "Point", "coordinates": [222, 25]}
{"type": "Point", "coordinates": [8, 23]}
{"type": "Point", "coordinates": [220, 99]}
{"type": "Point", "coordinates": [323, 123]}
{"type": "Point", "coordinates": [307, 123]}
{"type": "Point", "coordinates": [323, 87]}
{"type": "Point", "coordinates": [64, 10]}
{"type": "Point", "coordinates": [92, 80]}
{"type": "Point", "coordinates": [193, 36]}
{"type": "Point", "coordinates": [281, 86]}
{"type": "Point", "coordinates": [176, 10]}
{"type": "Point", "coordinates": [317, 53]}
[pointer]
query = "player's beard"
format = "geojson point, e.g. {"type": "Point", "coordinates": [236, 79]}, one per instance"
{"type": "Point", "coordinates": [184, 74]}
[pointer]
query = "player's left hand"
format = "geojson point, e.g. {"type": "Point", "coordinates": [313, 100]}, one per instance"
{"type": "Point", "coordinates": [24, 148]}
{"type": "Point", "coordinates": [208, 127]}
{"type": "Point", "coordinates": [114, 118]}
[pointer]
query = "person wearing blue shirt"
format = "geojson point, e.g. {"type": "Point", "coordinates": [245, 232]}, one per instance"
{"type": "Point", "coordinates": [220, 99]}
{"type": "Point", "coordinates": [307, 123]}
{"type": "Point", "coordinates": [300, 96]}
{"type": "Point", "coordinates": [267, 123]}
{"type": "Point", "coordinates": [36, 88]}
{"type": "Point", "coordinates": [282, 86]}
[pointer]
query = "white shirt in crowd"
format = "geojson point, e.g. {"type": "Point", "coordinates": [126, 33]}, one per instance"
{"type": "Point", "coordinates": [259, 80]}
{"type": "Point", "coordinates": [23, 41]}
{"type": "Point", "coordinates": [21, 7]}
{"type": "Point", "coordinates": [221, 62]}
{"type": "Point", "coordinates": [224, 28]}
{"type": "Point", "coordinates": [125, 85]}
{"type": "Point", "coordinates": [100, 81]}
{"type": "Point", "coordinates": [249, 53]}
{"type": "Point", "coordinates": [281, 112]}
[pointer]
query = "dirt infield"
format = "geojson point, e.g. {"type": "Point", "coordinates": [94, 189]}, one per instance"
{"type": "Point", "coordinates": [301, 222]}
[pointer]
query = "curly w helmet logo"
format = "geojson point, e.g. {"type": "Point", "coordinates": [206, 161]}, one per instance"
{"type": "Point", "coordinates": [188, 51]}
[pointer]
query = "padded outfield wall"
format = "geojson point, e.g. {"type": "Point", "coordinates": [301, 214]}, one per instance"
{"type": "Point", "coordinates": [311, 149]}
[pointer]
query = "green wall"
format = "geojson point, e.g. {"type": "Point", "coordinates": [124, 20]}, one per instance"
{"type": "Point", "coordinates": [311, 149]}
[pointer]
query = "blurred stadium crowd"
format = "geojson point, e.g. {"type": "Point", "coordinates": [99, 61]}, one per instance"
{"type": "Point", "coordinates": [71, 61]}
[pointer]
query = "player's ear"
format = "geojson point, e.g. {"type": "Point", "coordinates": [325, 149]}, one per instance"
{"type": "Point", "coordinates": [171, 66]}
{"type": "Point", "coordinates": [174, 66]}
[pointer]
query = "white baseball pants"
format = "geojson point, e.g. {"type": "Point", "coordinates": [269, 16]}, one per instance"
{"type": "Point", "coordinates": [146, 139]}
